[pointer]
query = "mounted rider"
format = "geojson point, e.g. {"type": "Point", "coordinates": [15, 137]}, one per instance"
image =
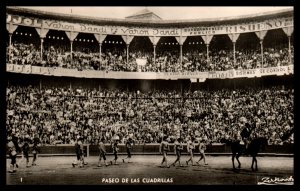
{"type": "Point", "coordinates": [245, 134]}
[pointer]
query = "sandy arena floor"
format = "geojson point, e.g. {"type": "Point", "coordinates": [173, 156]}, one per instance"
{"type": "Point", "coordinates": [146, 170]}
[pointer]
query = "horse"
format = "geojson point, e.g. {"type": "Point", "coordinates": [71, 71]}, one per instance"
{"type": "Point", "coordinates": [255, 146]}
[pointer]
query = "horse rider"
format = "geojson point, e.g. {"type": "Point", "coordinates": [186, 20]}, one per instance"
{"type": "Point", "coordinates": [245, 134]}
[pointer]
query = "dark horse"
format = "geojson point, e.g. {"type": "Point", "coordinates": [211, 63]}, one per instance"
{"type": "Point", "coordinates": [255, 146]}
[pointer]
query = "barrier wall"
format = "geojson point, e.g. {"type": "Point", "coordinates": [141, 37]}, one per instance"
{"type": "Point", "coordinates": [92, 150]}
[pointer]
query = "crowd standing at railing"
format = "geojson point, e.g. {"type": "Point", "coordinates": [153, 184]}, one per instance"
{"type": "Point", "coordinates": [168, 61]}
{"type": "Point", "coordinates": [61, 115]}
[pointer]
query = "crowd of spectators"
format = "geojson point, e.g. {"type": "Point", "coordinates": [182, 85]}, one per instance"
{"type": "Point", "coordinates": [61, 115]}
{"type": "Point", "coordinates": [116, 60]}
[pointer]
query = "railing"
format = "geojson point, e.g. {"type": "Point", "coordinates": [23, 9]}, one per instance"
{"type": "Point", "coordinates": [153, 149]}
{"type": "Point", "coordinates": [201, 76]}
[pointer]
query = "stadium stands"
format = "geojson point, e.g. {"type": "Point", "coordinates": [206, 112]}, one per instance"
{"type": "Point", "coordinates": [61, 114]}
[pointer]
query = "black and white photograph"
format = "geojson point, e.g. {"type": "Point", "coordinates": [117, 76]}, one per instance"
{"type": "Point", "coordinates": [149, 95]}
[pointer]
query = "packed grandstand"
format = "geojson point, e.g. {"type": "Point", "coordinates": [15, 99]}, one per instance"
{"type": "Point", "coordinates": [71, 76]}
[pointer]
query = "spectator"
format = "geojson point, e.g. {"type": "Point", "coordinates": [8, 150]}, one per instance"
{"type": "Point", "coordinates": [60, 115]}
{"type": "Point", "coordinates": [167, 61]}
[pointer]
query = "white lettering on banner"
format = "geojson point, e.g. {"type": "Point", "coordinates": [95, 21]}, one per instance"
{"type": "Point", "coordinates": [182, 75]}
{"type": "Point", "coordinates": [23, 21]}
{"type": "Point", "coordinates": [138, 31]}
{"type": "Point", "coordinates": [239, 28]}
{"type": "Point", "coordinates": [273, 71]}
{"type": "Point", "coordinates": [221, 75]}
{"type": "Point", "coordinates": [201, 76]}
{"type": "Point", "coordinates": [247, 73]}
{"type": "Point", "coordinates": [27, 69]}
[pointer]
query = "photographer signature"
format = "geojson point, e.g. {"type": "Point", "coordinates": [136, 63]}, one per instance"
{"type": "Point", "coordinates": [270, 181]}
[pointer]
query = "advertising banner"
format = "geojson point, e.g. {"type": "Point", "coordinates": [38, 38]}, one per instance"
{"type": "Point", "coordinates": [146, 31]}
{"type": "Point", "coordinates": [193, 76]}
